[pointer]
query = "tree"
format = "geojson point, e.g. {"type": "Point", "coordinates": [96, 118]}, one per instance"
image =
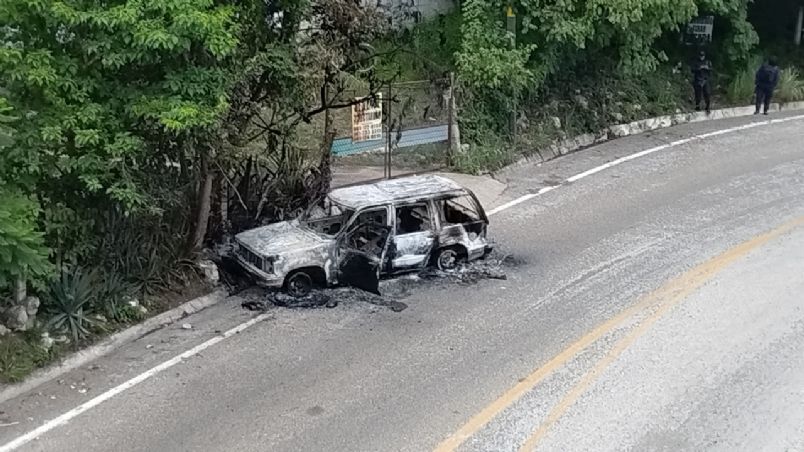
{"type": "Point", "coordinates": [97, 83]}
{"type": "Point", "coordinates": [23, 254]}
{"type": "Point", "coordinates": [555, 35]}
{"type": "Point", "coordinates": [137, 110]}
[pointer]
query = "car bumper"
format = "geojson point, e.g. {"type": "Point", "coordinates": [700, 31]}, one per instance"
{"type": "Point", "coordinates": [478, 252]}
{"type": "Point", "coordinates": [262, 278]}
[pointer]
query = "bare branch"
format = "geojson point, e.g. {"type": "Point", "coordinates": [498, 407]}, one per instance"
{"type": "Point", "coordinates": [237, 192]}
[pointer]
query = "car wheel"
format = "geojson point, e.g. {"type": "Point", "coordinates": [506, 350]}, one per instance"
{"type": "Point", "coordinates": [448, 259]}
{"type": "Point", "coordinates": [299, 284]}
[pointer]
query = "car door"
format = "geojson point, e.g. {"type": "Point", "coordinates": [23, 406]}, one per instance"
{"type": "Point", "coordinates": [362, 249]}
{"type": "Point", "coordinates": [414, 235]}
{"type": "Point", "coordinates": [462, 223]}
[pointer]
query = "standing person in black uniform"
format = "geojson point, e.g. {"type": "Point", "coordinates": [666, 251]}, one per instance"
{"type": "Point", "coordinates": [766, 79]}
{"type": "Point", "coordinates": [701, 74]}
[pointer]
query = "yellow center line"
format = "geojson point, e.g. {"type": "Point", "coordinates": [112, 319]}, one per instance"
{"type": "Point", "coordinates": [666, 297]}
{"type": "Point", "coordinates": [669, 296]}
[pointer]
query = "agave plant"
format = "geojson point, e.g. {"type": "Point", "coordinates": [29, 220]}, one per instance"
{"type": "Point", "coordinates": [69, 303]}
{"type": "Point", "coordinates": [111, 296]}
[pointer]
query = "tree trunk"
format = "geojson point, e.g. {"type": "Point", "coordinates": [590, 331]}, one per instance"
{"type": "Point", "coordinates": [453, 131]}
{"type": "Point", "coordinates": [799, 25]}
{"type": "Point", "coordinates": [224, 205]}
{"type": "Point", "coordinates": [20, 290]}
{"type": "Point", "coordinates": [325, 164]}
{"type": "Point", "coordinates": [204, 205]}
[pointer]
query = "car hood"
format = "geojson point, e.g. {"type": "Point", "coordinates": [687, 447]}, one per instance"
{"type": "Point", "coordinates": [280, 238]}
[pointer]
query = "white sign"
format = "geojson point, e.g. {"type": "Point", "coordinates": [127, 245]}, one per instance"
{"type": "Point", "coordinates": [702, 27]}
{"type": "Point", "coordinates": [367, 119]}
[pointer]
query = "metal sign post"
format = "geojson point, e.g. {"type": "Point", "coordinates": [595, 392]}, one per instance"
{"type": "Point", "coordinates": [388, 127]}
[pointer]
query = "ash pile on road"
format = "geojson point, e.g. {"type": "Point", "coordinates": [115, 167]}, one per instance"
{"type": "Point", "coordinates": [471, 273]}
{"type": "Point", "coordinates": [393, 290]}
{"type": "Point", "coordinates": [261, 300]}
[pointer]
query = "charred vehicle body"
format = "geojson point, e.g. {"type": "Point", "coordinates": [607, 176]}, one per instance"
{"type": "Point", "coordinates": [360, 233]}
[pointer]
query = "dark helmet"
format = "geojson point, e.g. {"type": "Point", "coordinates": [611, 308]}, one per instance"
{"type": "Point", "coordinates": [773, 61]}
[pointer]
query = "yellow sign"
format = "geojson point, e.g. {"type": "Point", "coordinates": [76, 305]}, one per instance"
{"type": "Point", "coordinates": [510, 12]}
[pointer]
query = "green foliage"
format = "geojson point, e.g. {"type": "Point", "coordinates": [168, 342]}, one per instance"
{"type": "Point", "coordinates": [556, 37]}
{"type": "Point", "coordinates": [481, 158]}
{"type": "Point", "coordinates": [20, 355]}
{"type": "Point", "coordinates": [583, 64]}
{"type": "Point", "coordinates": [22, 250]}
{"type": "Point", "coordinates": [791, 86]}
{"type": "Point", "coordinates": [422, 51]}
{"type": "Point", "coordinates": [570, 103]}
{"type": "Point", "coordinates": [6, 122]}
{"type": "Point", "coordinates": [91, 76]}
{"type": "Point", "coordinates": [141, 255]}
{"type": "Point", "coordinates": [23, 254]}
{"type": "Point", "coordinates": [69, 302]}
{"type": "Point", "coordinates": [740, 88]}
{"type": "Point", "coordinates": [112, 294]}
{"type": "Point", "coordinates": [96, 83]}
{"type": "Point", "coordinates": [486, 58]}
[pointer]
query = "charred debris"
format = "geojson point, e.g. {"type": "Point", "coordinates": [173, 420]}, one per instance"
{"type": "Point", "coordinates": [389, 293]}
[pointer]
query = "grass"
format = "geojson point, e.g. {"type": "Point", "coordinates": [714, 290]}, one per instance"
{"type": "Point", "coordinates": [741, 88]}
{"type": "Point", "coordinates": [21, 354]}
{"type": "Point", "coordinates": [480, 158]}
{"type": "Point", "coordinates": [791, 86]}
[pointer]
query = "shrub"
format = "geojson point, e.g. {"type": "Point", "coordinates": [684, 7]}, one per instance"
{"type": "Point", "coordinates": [791, 86]}
{"type": "Point", "coordinates": [483, 157]}
{"type": "Point", "coordinates": [22, 250]}
{"type": "Point", "coordinates": [20, 355]}
{"type": "Point", "coordinates": [69, 303]}
{"type": "Point", "coordinates": [741, 88]}
{"type": "Point", "coordinates": [113, 293]}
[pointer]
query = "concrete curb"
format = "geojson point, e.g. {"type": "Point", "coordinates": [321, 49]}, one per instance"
{"type": "Point", "coordinates": [566, 146]}
{"type": "Point", "coordinates": [110, 344]}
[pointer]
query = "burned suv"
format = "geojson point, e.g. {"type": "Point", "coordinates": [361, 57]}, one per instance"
{"type": "Point", "coordinates": [359, 233]}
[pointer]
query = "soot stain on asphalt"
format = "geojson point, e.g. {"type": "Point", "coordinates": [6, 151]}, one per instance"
{"type": "Point", "coordinates": [391, 291]}
{"type": "Point", "coordinates": [264, 299]}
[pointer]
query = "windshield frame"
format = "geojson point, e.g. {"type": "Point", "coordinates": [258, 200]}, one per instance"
{"type": "Point", "coordinates": [304, 218]}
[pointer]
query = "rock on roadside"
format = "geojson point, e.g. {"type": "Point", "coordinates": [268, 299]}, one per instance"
{"type": "Point", "coordinates": [16, 318]}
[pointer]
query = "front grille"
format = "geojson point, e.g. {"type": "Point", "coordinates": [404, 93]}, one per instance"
{"type": "Point", "coordinates": [250, 257]}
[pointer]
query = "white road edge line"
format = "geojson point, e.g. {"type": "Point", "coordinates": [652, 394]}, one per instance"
{"type": "Point", "coordinates": [637, 155]}
{"type": "Point", "coordinates": [66, 417]}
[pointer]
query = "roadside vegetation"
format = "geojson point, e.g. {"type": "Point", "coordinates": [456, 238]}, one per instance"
{"type": "Point", "coordinates": [136, 137]}
{"type": "Point", "coordinates": [575, 73]}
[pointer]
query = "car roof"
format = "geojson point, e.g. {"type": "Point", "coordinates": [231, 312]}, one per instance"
{"type": "Point", "coordinates": [395, 190]}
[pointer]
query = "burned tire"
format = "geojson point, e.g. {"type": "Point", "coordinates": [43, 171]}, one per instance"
{"type": "Point", "coordinates": [299, 284]}
{"type": "Point", "coordinates": [449, 258]}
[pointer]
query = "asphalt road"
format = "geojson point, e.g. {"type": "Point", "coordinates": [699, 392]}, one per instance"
{"type": "Point", "coordinates": [654, 305]}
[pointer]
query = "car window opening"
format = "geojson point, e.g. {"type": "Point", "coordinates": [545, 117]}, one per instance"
{"type": "Point", "coordinates": [369, 232]}
{"type": "Point", "coordinates": [326, 217]}
{"type": "Point", "coordinates": [458, 210]}
{"type": "Point", "coordinates": [413, 218]}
